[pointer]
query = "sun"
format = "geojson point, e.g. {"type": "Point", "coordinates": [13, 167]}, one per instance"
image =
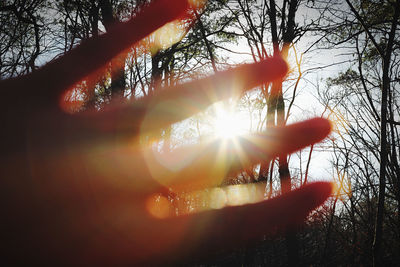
{"type": "Point", "coordinates": [227, 123]}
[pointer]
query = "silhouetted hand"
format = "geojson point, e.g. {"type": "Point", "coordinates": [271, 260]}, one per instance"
{"type": "Point", "coordinates": [78, 188]}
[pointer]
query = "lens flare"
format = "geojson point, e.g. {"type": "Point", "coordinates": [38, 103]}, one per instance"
{"type": "Point", "coordinates": [201, 200]}
{"type": "Point", "coordinates": [166, 36]}
{"type": "Point", "coordinates": [227, 123]}
{"type": "Point", "coordinates": [197, 4]}
{"type": "Point", "coordinates": [159, 206]}
{"type": "Point", "coordinates": [342, 185]}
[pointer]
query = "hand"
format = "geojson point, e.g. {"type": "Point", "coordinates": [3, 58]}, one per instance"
{"type": "Point", "coordinates": [76, 188]}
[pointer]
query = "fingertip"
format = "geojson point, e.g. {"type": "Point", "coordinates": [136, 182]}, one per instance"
{"type": "Point", "coordinates": [265, 71]}
{"type": "Point", "coordinates": [324, 125]}
{"type": "Point", "coordinates": [319, 191]}
{"type": "Point", "coordinates": [307, 198]}
{"type": "Point", "coordinates": [291, 138]}
{"type": "Point", "coordinates": [275, 68]}
{"type": "Point", "coordinates": [311, 131]}
{"type": "Point", "coordinates": [281, 64]}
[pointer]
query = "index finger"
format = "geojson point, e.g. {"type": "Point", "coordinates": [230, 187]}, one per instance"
{"type": "Point", "coordinates": [173, 104]}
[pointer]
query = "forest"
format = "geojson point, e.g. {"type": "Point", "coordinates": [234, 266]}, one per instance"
{"type": "Point", "coordinates": [343, 66]}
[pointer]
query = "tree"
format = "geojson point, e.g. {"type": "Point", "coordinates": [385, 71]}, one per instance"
{"type": "Point", "coordinates": [270, 29]}
{"type": "Point", "coordinates": [24, 36]}
{"type": "Point", "coordinates": [367, 105]}
{"type": "Point", "coordinates": [386, 55]}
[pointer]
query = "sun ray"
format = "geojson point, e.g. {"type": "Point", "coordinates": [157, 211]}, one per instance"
{"type": "Point", "coordinates": [227, 123]}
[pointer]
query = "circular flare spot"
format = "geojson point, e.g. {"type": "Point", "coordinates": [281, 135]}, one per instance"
{"type": "Point", "coordinates": [158, 206]}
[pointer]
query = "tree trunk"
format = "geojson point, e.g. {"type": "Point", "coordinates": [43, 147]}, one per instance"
{"type": "Point", "coordinates": [118, 83]}
{"type": "Point", "coordinates": [286, 183]}
{"type": "Point", "coordinates": [377, 246]}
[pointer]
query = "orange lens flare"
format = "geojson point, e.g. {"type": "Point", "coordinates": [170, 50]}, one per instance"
{"type": "Point", "coordinates": [342, 186]}
{"type": "Point", "coordinates": [159, 206]}
{"type": "Point", "coordinates": [202, 200]}
{"type": "Point", "coordinates": [197, 4]}
{"type": "Point", "coordinates": [166, 36]}
{"type": "Point", "coordinates": [73, 100]}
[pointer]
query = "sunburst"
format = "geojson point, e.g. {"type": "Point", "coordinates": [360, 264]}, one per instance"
{"type": "Point", "coordinates": [227, 123]}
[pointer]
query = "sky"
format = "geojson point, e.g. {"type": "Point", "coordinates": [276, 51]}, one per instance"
{"type": "Point", "coordinates": [306, 105]}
